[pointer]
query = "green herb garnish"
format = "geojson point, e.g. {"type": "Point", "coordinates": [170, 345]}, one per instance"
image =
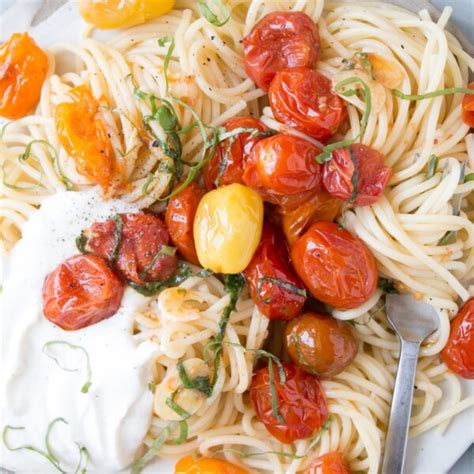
{"type": "Point", "coordinates": [387, 286]}
{"type": "Point", "coordinates": [219, 19]}
{"type": "Point", "coordinates": [446, 238]}
{"type": "Point", "coordinates": [201, 383]}
{"type": "Point", "coordinates": [432, 166]}
{"type": "Point", "coordinates": [366, 64]}
{"type": "Point", "coordinates": [433, 94]}
{"type": "Point", "coordinates": [117, 237]}
{"type": "Point", "coordinates": [282, 284]}
{"type": "Point", "coordinates": [469, 177]}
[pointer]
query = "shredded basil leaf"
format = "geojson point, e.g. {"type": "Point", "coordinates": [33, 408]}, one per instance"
{"type": "Point", "coordinates": [317, 438]}
{"type": "Point", "coordinates": [50, 344]}
{"type": "Point", "coordinates": [371, 316]}
{"type": "Point", "coordinates": [432, 166]}
{"type": "Point", "coordinates": [3, 129]}
{"type": "Point", "coordinates": [16, 187]}
{"type": "Point", "coordinates": [366, 64]}
{"type": "Point", "coordinates": [201, 383]}
{"type": "Point", "coordinates": [446, 238]}
{"type": "Point", "coordinates": [81, 242]}
{"type": "Point", "coordinates": [431, 95]}
{"type": "Point", "coordinates": [165, 251]}
{"type": "Point", "coordinates": [355, 176]}
{"type": "Point", "coordinates": [152, 386]}
{"type": "Point", "coordinates": [282, 284]}
{"type": "Point", "coordinates": [177, 408]}
{"type": "Point", "coordinates": [274, 395]}
{"type": "Point", "coordinates": [210, 16]}
{"type": "Point", "coordinates": [117, 237]}
{"type": "Point", "coordinates": [387, 286]}
{"type": "Point", "coordinates": [469, 177]}
{"type": "Point", "coordinates": [183, 433]}
{"type": "Point", "coordinates": [83, 454]}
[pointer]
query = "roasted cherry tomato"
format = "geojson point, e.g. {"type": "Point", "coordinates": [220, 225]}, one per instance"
{"type": "Point", "coordinates": [303, 99]}
{"type": "Point", "coordinates": [226, 165]}
{"type": "Point", "coordinates": [136, 244]}
{"type": "Point", "coordinates": [320, 207]}
{"type": "Point", "coordinates": [458, 353]}
{"type": "Point", "coordinates": [228, 227]}
{"type": "Point", "coordinates": [190, 465]}
{"type": "Point", "coordinates": [320, 344]}
{"type": "Point", "coordinates": [83, 134]}
{"type": "Point", "coordinates": [23, 70]}
{"type": "Point", "coordinates": [280, 40]}
{"type": "Point", "coordinates": [335, 265]}
{"type": "Point", "coordinates": [330, 463]}
{"type": "Point", "coordinates": [283, 170]}
{"type": "Point", "coordinates": [179, 219]}
{"type": "Point", "coordinates": [80, 292]}
{"type": "Point", "coordinates": [119, 14]}
{"type": "Point", "coordinates": [300, 401]}
{"type": "Point", "coordinates": [275, 288]}
{"type": "Point", "coordinates": [356, 174]}
{"type": "Point", "coordinates": [468, 108]}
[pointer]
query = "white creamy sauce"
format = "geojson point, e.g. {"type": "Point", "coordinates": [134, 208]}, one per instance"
{"type": "Point", "coordinates": [111, 420]}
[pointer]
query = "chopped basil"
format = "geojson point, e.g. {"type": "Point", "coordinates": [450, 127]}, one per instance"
{"type": "Point", "coordinates": [273, 392]}
{"type": "Point", "coordinates": [387, 286]}
{"type": "Point", "coordinates": [51, 344]}
{"type": "Point", "coordinates": [446, 238]}
{"type": "Point", "coordinates": [152, 386]}
{"type": "Point", "coordinates": [177, 408]}
{"type": "Point", "coordinates": [282, 284]}
{"type": "Point", "coordinates": [366, 64]}
{"type": "Point", "coordinates": [431, 95]}
{"type": "Point", "coordinates": [219, 19]}
{"type": "Point", "coordinates": [201, 383]}
{"type": "Point", "coordinates": [183, 433]}
{"type": "Point", "coordinates": [16, 187]}
{"type": "Point", "coordinates": [469, 177]}
{"type": "Point", "coordinates": [432, 166]}
{"type": "Point", "coordinates": [355, 176]}
{"type": "Point", "coordinates": [317, 438]}
{"type": "Point", "coordinates": [117, 237]}
{"type": "Point", "coordinates": [371, 316]}
{"type": "Point", "coordinates": [165, 251]}
{"type": "Point", "coordinates": [4, 127]}
{"type": "Point", "coordinates": [81, 242]}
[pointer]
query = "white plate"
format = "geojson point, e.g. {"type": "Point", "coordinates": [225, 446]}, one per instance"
{"type": "Point", "coordinates": [428, 453]}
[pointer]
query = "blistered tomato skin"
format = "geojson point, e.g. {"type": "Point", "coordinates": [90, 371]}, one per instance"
{"type": "Point", "coordinates": [269, 269]}
{"type": "Point", "coordinates": [83, 134]}
{"type": "Point", "coordinates": [302, 98]}
{"type": "Point", "coordinates": [330, 463]}
{"type": "Point", "coordinates": [80, 292]}
{"type": "Point", "coordinates": [283, 169]}
{"type": "Point", "coordinates": [137, 246]}
{"type": "Point", "coordinates": [280, 40]}
{"type": "Point", "coordinates": [227, 228]}
{"type": "Point", "coordinates": [226, 166]}
{"type": "Point", "coordinates": [108, 14]}
{"type": "Point", "coordinates": [23, 70]}
{"type": "Point", "coordinates": [458, 354]}
{"type": "Point", "coordinates": [179, 219]}
{"type": "Point", "coordinates": [300, 400]}
{"type": "Point", "coordinates": [372, 176]}
{"type": "Point", "coordinates": [204, 465]}
{"type": "Point", "coordinates": [320, 344]}
{"type": "Point", "coordinates": [336, 266]}
{"type": "Point", "coordinates": [468, 108]}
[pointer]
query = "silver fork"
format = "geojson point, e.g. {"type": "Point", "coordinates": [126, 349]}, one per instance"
{"type": "Point", "coordinates": [413, 322]}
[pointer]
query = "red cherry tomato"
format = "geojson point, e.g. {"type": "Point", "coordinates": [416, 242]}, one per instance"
{"type": "Point", "coordinates": [458, 353]}
{"type": "Point", "coordinates": [356, 174]}
{"type": "Point", "coordinates": [274, 286]}
{"type": "Point", "coordinates": [179, 219]}
{"type": "Point", "coordinates": [280, 40]}
{"type": "Point", "coordinates": [80, 292]}
{"type": "Point", "coordinates": [283, 170]}
{"type": "Point", "coordinates": [330, 463]}
{"type": "Point", "coordinates": [300, 401]}
{"type": "Point", "coordinates": [303, 99]}
{"type": "Point", "coordinates": [137, 244]}
{"type": "Point", "coordinates": [468, 108]}
{"type": "Point", "coordinates": [226, 165]}
{"type": "Point", "coordinates": [335, 266]}
{"type": "Point", "coordinates": [23, 70]}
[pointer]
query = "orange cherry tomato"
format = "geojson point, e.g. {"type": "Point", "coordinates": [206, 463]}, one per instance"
{"type": "Point", "coordinates": [277, 41]}
{"type": "Point", "coordinates": [226, 165]}
{"type": "Point", "coordinates": [300, 401]}
{"type": "Point", "coordinates": [303, 99]}
{"type": "Point", "coordinates": [80, 292]}
{"type": "Point", "coordinates": [468, 107]}
{"type": "Point", "coordinates": [320, 344]}
{"type": "Point", "coordinates": [458, 353]}
{"type": "Point", "coordinates": [136, 244]}
{"type": "Point", "coordinates": [356, 174]}
{"type": "Point", "coordinates": [283, 170]}
{"type": "Point", "coordinates": [23, 67]}
{"type": "Point", "coordinates": [83, 134]}
{"type": "Point", "coordinates": [204, 465]}
{"type": "Point", "coordinates": [330, 463]}
{"type": "Point", "coordinates": [335, 265]}
{"type": "Point", "coordinates": [179, 219]}
{"type": "Point", "coordinates": [320, 207]}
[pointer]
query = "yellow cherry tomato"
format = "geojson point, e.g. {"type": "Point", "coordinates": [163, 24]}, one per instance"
{"type": "Point", "coordinates": [228, 227]}
{"type": "Point", "coordinates": [108, 14]}
{"type": "Point", "coordinates": [189, 465]}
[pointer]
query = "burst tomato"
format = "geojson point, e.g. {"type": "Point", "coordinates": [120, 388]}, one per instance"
{"type": "Point", "coordinates": [179, 219]}
{"type": "Point", "coordinates": [283, 170]}
{"type": "Point", "coordinates": [356, 174]}
{"type": "Point", "coordinates": [23, 70]}
{"type": "Point", "coordinates": [274, 286]}
{"type": "Point", "coordinates": [319, 344]}
{"type": "Point", "coordinates": [300, 402]}
{"type": "Point", "coordinates": [335, 266]}
{"type": "Point", "coordinates": [458, 354]}
{"type": "Point", "coordinates": [80, 292]}
{"type": "Point", "coordinates": [83, 134]}
{"type": "Point", "coordinates": [303, 99]}
{"type": "Point", "coordinates": [468, 108]}
{"type": "Point", "coordinates": [137, 244]}
{"type": "Point", "coordinates": [204, 465]}
{"type": "Point", "coordinates": [330, 463]}
{"type": "Point", "coordinates": [277, 41]}
{"type": "Point", "coordinates": [226, 165]}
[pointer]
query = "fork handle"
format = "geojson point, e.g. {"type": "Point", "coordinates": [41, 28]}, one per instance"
{"type": "Point", "coordinates": [399, 422]}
